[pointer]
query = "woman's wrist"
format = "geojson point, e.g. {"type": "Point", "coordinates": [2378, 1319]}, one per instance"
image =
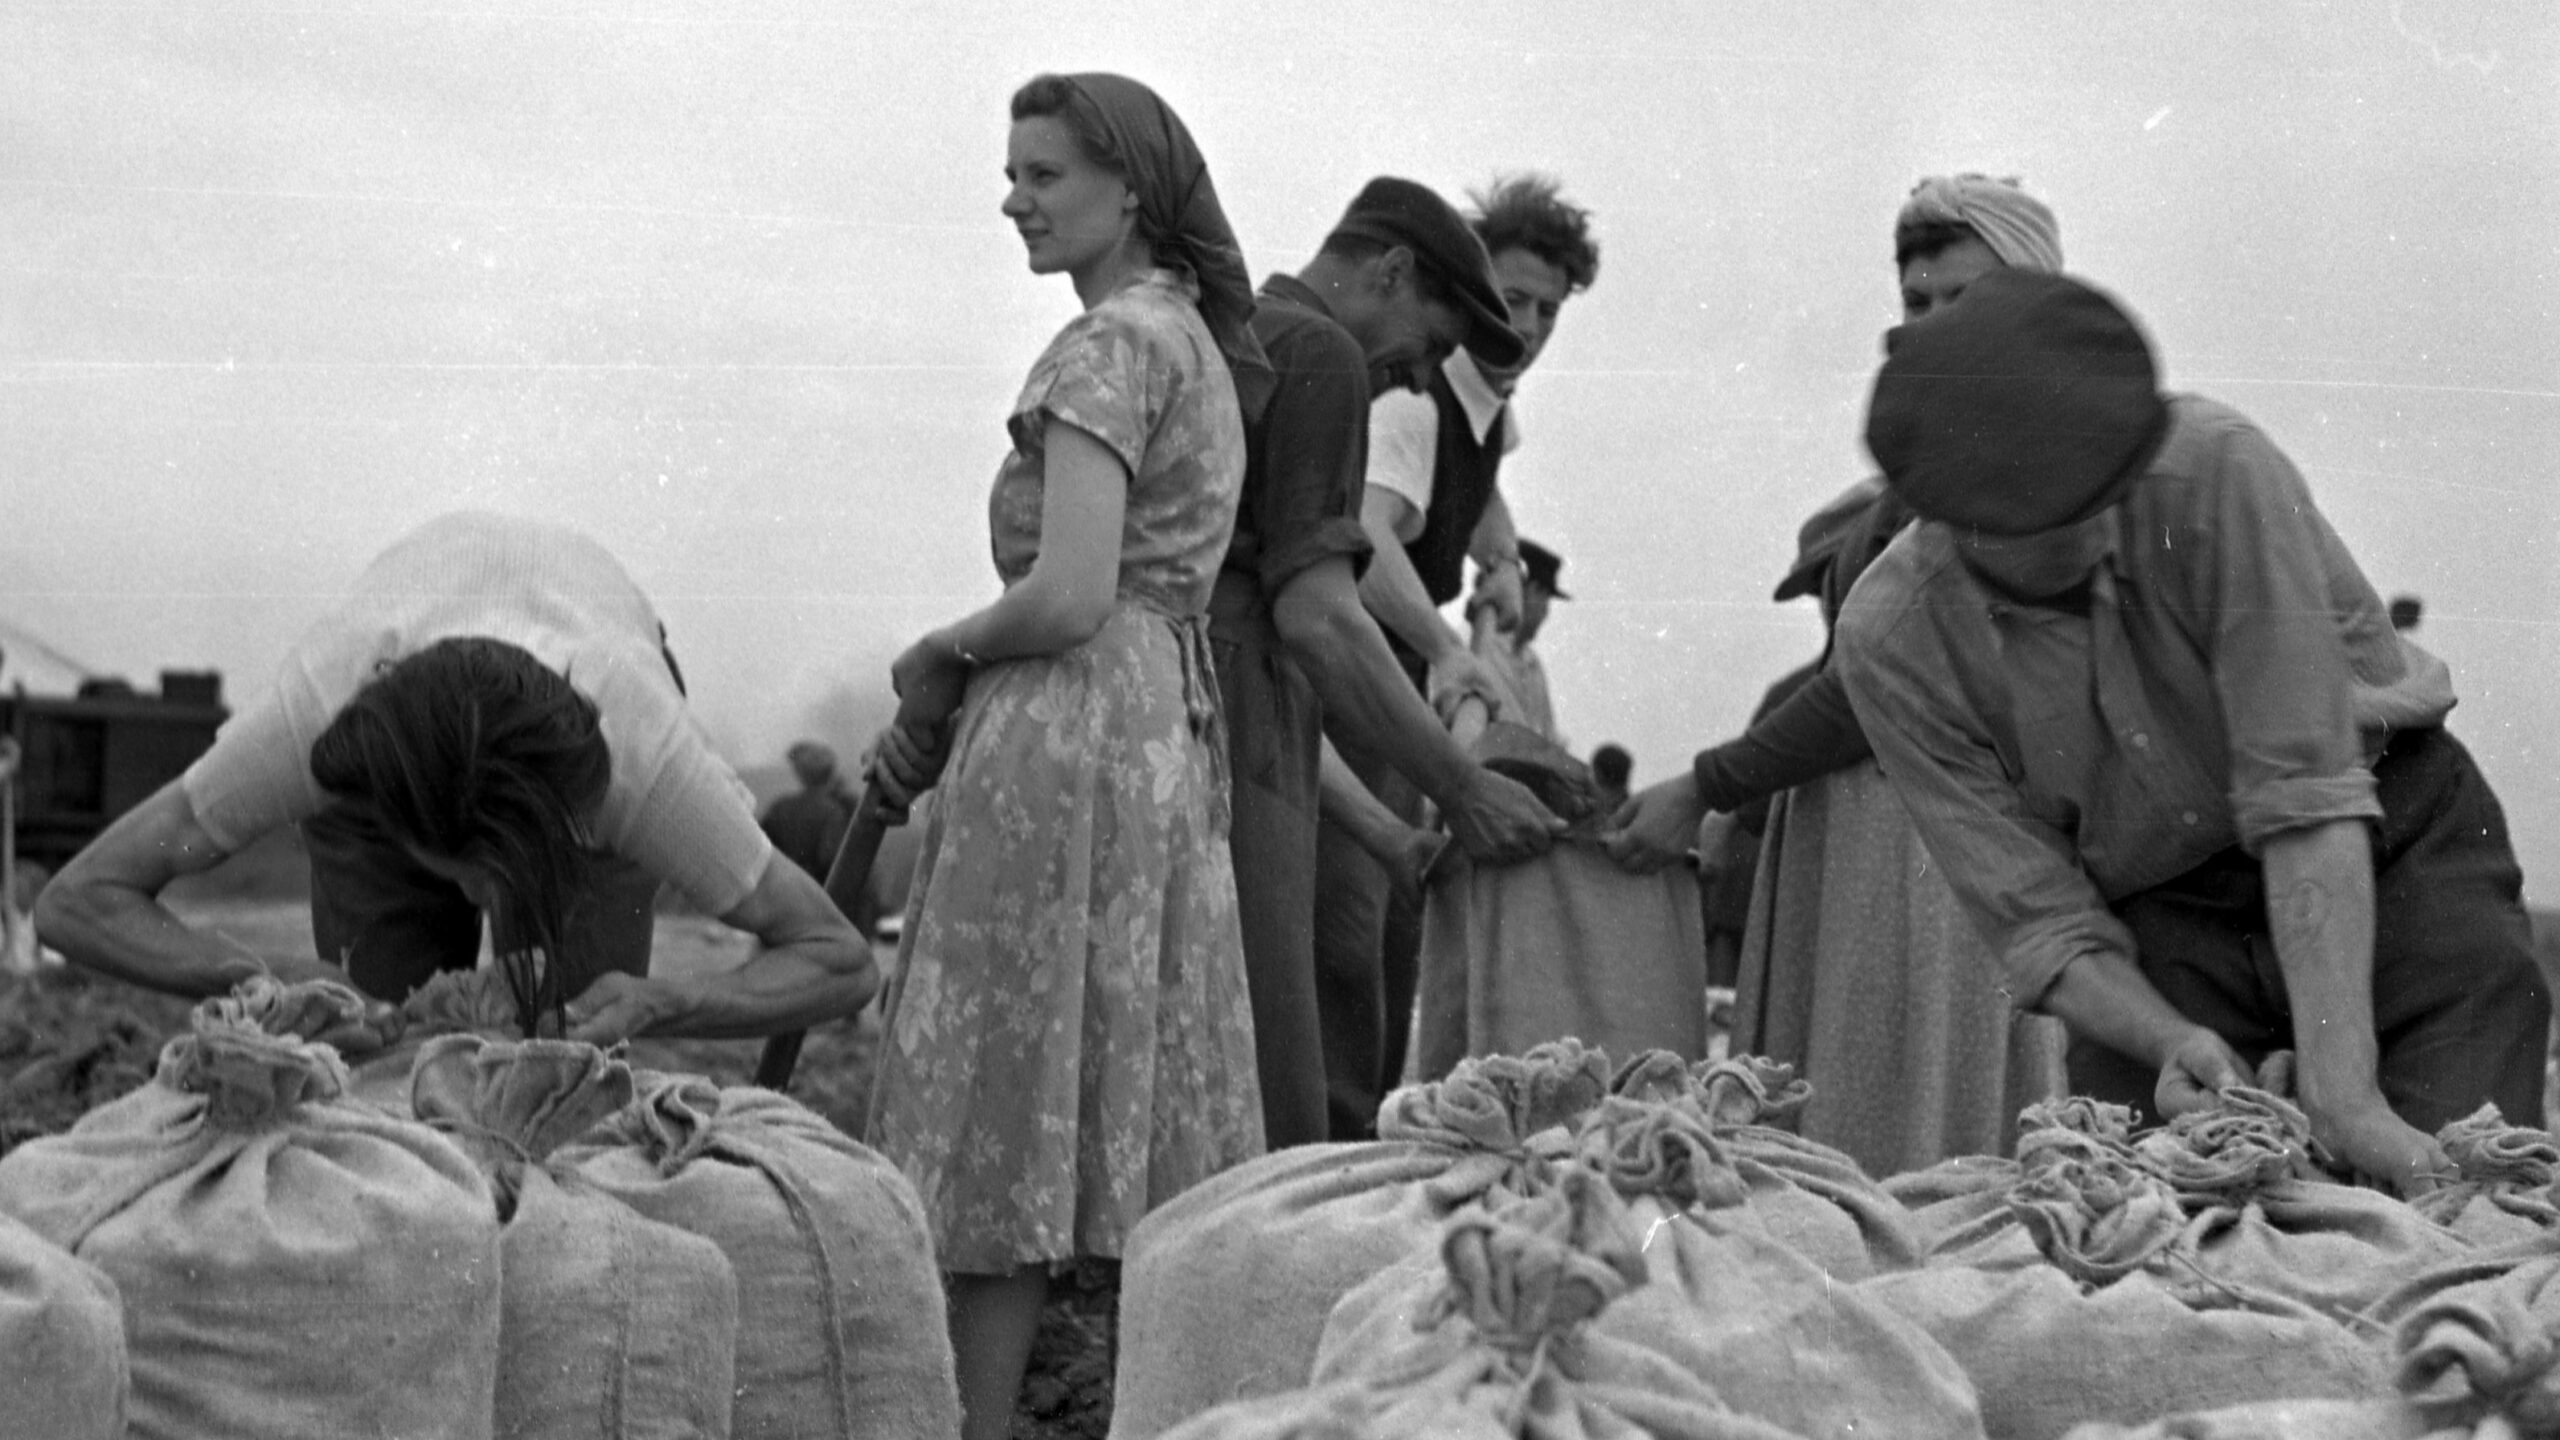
{"type": "Point", "coordinates": [954, 650]}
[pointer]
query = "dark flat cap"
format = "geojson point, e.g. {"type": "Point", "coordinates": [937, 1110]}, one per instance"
{"type": "Point", "coordinates": [1400, 212]}
{"type": "Point", "coordinates": [2027, 405]}
{"type": "Point", "coordinates": [1542, 565]}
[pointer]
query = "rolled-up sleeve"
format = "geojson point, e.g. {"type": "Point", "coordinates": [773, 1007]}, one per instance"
{"type": "Point", "coordinates": [2280, 666]}
{"type": "Point", "coordinates": [2015, 877]}
{"type": "Point", "coordinates": [1404, 444]}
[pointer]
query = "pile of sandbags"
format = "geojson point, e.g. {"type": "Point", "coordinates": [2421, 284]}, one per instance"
{"type": "Point", "coordinates": [1511, 1329]}
{"type": "Point", "coordinates": [1225, 1289]}
{"type": "Point", "coordinates": [292, 1263]}
{"type": "Point", "coordinates": [611, 1324]}
{"type": "Point", "coordinates": [840, 1309]}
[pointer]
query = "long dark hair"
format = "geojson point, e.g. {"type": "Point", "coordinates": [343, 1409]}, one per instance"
{"type": "Point", "coordinates": [473, 751]}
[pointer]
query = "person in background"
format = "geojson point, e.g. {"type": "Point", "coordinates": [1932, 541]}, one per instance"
{"type": "Point", "coordinates": [1395, 287]}
{"type": "Point", "coordinates": [1431, 504]}
{"type": "Point", "coordinates": [1854, 961]}
{"type": "Point", "coordinates": [1519, 676]}
{"type": "Point", "coordinates": [488, 726]}
{"type": "Point", "coordinates": [1068, 1041]}
{"type": "Point", "coordinates": [2155, 726]}
{"type": "Point", "coordinates": [1611, 766]}
{"type": "Point", "coordinates": [809, 823]}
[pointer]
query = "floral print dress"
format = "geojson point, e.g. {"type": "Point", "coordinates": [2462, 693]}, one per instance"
{"type": "Point", "coordinates": [1069, 1042]}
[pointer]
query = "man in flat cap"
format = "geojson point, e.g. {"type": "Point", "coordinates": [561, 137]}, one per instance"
{"type": "Point", "coordinates": [2156, 728]}
{"type": "Point", "coordinates": [1432, 504]}
{"type": "Point", "coordinates": [1397, 286]}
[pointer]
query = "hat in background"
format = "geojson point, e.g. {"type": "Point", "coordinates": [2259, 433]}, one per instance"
{"type": "Point", "coordinates": [2026, 406]}
{"type": "Point", "coordinates": [1390, 211]}
{"type": "Point", "coordinates": [1541, 565]}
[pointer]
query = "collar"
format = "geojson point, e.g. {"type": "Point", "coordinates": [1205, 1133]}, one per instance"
{"type": "Point", "coordinates": [1294, 291]}
{"type": "Point", "coordinates": [1475, 393]}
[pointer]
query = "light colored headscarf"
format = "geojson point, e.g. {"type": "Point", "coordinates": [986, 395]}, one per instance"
{"type": "Point", "coordinates": [2018, 227]}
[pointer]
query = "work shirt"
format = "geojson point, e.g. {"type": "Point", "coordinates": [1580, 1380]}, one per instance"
{"type": "Point", "coordinates": [2229, 678]}
{"type": "Point", "coordinates": [1404, 435]}
{"type": "Point", "coordinates": [1305, 456]}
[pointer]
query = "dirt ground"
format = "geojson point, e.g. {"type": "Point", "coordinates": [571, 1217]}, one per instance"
{"type": "Point", "coordinates": [70, 1041]}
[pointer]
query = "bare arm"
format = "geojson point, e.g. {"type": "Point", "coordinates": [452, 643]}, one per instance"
{"type": "Point", "coordinates": [1365, 693]}
{"type": "Point", "coordinates": [810, 967]}
{"type": "Point", "coordinates": [2319, 884]}
{"type": "Point", "coordinates": [104, 912]}
{"type": "Point", "coordinates": [1392, 591]}
{"type": "Point", "coordinates": [1495, 547]}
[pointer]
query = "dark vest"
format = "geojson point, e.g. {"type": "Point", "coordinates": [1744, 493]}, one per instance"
{"type": "Point", "coordinates": [1462, 474]}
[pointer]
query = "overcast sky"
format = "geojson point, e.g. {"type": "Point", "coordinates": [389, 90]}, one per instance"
{"type": "Point", "coordinates": [726, 285]}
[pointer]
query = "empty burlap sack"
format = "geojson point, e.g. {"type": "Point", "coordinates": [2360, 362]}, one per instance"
{"type": "Point", "coordinates": [614, 1326]}
{"type": "Point", "coordinates": [1810, 1195]}
{"type": "Point", "coordinates": [62, 1366]}
{"type": "Point", "coordinates": [293, 1264]}
{"type": "Point", "coordinates": [1224, 1289]}
{"type": "Point", "coordinates": [2502, 1191]}
{"type": "Point", "coordinates": [840, 1312]}
{"type": "Point", "coordinates": [1506, 1337]}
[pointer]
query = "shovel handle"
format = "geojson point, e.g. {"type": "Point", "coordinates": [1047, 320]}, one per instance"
{"type": "Point", "coordinates": [847, 878]}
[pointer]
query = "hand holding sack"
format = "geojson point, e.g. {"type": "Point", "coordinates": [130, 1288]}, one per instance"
{"type": "Point", "coordinates": [62, 1364]}
{"type": "Point", "coordinates": [613, 1326]}
{"type": "Point", "coordinates": [294, 1265]}
{"type": "Point", "coordinates": [840, 1309]}
{"type": "Point", "coordinates": [1225, 1289]}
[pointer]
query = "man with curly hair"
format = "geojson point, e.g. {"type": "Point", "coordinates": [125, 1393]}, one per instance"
{"type": "Point", "coordinates": [1431, 504]}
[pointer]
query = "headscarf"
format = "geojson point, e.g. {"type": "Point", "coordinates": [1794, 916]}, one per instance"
{"type": "Point", "coordinates": [2018, 227]}
{"type": "Point", "coordinates": [1180, 207]}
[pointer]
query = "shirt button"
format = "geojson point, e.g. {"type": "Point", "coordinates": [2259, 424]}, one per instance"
{"type": "Point", "coordinates": [2189, 818]}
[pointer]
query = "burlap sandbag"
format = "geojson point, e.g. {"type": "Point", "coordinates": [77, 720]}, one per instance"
{"type": "Point", "coordinates": [292, 1264]}
{"type": "Point", "coordinates": [452, 1002]}
{"type": "Point", "coordinates": [2267, 1219]}
{"type": "Point", "coordinates": [614, 1327]}
{"type": "Point", "coordinates": [1811, 1196]}
{"type": "Point", "coordinates": [1567, 944]}
{"type": "Point", "coordinates": [1767, 1329]}
{"type": "Point", "coordinates": [1502, 1342]}
{"type": "Point", "coordinates": [62, 1365]}
{"type": "Point", "coordinates": [2502, 1191]}
{"type": "Point", "coordinates": [1224, 1289]}
{"type": "Point", "coordinates": [2473, 1358]}
{"type": "Point", "coordinates": [840, 1312]}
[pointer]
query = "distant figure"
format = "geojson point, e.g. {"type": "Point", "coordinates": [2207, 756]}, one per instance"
{"type": "Point", "coordinates": [1611, 767]}
{"type": "Point", "coordinates": [2406, 611]}
{"type": "Point", "coordinates": [808, 824]}
{"type": "Point", "coordinates": [1519, 676]}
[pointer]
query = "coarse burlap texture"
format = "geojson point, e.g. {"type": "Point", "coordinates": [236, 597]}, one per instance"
{"type": "Point", "coordinates": [613, 1326]}
{"type": "Point", "coordinates": [840, 1311]}
{"type": "Point", "coordinates": [62, 1365]}
{"type": "Point", "coordinates": [1766, 1331]}
{"type": "Point", "coordinates": [1501, 1330]}
{"type": "Point", "coordinates": [2472, 1349]}
{"type": "Point", "coordinates": [1563, 945]}
{"type": "Point", "coordinates": [294, 1265]}
{"type": "Point", "coordinates": [1813, 1198]}
{"type": "Point", "coordinates": [1225, 1289]}
{"type": "Point", "coordinates": [2502, 1194]}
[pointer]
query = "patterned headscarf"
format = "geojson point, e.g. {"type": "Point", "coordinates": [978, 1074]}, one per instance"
{"type": "Point", "coordinates": [1180, 207]}
{"type": "Point", "coordinates": [2018, 227]}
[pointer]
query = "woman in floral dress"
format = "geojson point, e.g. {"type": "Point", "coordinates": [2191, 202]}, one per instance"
{"type": "Point", "coordinates": [1069, 1042]}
